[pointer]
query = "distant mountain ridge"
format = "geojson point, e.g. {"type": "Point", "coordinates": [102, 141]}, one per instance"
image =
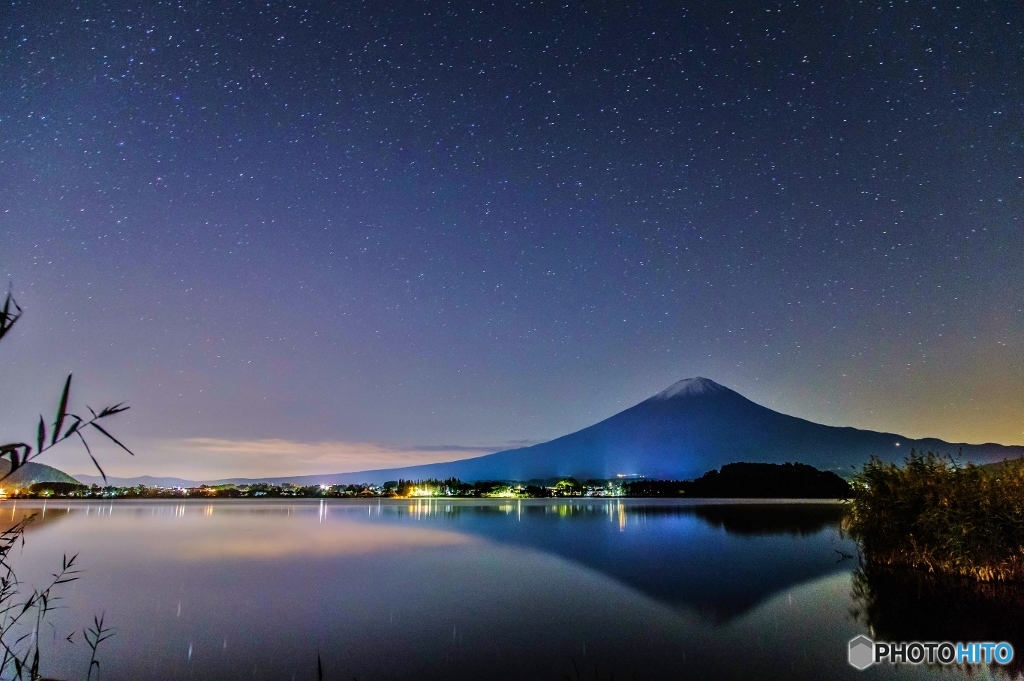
{"type": "Point", "coordinates": [147, 480]}
{"type": "Point", "coordinates": [689, 428]}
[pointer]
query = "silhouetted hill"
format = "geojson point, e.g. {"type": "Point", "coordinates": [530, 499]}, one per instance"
{"type": "Point", "coordinates": [768, 481]}
{"type": "Point", "coordinates": [32, 473]}
{"type": "Point", "coordinates": [749, 481]}
{"type": "Point", "coordinates": [693, 426]}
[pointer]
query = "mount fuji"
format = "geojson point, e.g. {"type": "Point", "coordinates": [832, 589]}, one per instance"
{"type": "Point", "coordinates": [687, 429]}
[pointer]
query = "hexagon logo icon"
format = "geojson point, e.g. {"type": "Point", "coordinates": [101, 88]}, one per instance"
{"type": "Point", "coordinates": [862, 652]}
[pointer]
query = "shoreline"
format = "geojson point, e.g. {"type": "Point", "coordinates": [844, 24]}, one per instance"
{"type": "Point", "coordinates": [463, 501]}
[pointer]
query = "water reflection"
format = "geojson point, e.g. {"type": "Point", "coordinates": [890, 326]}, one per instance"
{"type": "Point", "coordinates": [720, 559]}
{"type": "Point", "coordinates": [275, 539]}
{"type": "Point", "coordinates": [35, 515]}
{"type": "Point", "coordinates": [910, 606]}
{"type": "Point", "coordinates": [802, 520]}
{"type": "Point", "coordinates": [439, 588]}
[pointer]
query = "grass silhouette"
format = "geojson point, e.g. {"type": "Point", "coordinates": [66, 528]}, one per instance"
{"type": "Point", "coordinates": [22, 612]}
{"type": "Point", "coordinates": [939, 517]}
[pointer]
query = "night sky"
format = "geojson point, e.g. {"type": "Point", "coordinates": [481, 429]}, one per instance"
{"type": "Point", "coordinates": [300, 238]}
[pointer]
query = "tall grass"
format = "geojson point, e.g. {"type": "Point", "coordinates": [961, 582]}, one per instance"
{"type": "Point", "coordinates": [24, 610]}
{"type": "Point", "coordinates": [935, 516]}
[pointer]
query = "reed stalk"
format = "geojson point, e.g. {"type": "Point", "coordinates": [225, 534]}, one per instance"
{"type": "Point", "coordinates": [936, 516]}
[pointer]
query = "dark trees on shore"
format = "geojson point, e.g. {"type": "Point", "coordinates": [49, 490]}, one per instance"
{"type": "Point", "coordinates": [749, 480]}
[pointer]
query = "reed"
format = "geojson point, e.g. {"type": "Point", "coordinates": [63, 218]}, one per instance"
{"type": "Point", "coordinates": [936, 516]}
{"type": "Point", "coordinates": [23, 610]}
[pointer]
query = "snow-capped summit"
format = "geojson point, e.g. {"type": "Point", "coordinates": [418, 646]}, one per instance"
{"type": "Point", "coordinates": [690, 387]}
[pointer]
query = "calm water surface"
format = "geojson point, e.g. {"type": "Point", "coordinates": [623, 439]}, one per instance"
{"type": "Point", "coordinates": [452, 589]}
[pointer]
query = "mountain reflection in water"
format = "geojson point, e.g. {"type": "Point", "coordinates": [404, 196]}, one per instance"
{"type": "Point", "coordinates": [442, 588]}
{"type": "Point", "coordinates": [718, 558]}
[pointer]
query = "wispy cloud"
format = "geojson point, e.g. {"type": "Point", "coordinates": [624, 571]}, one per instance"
{"type": "Point", "coordinates": [336, 456]}
{"type": "Point", "coordinates": [460, 448]}
{"type": "Point", "coordinates": [207, 458]}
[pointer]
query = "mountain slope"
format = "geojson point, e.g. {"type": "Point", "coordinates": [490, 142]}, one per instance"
{"type": "Point", "coordinates": [31, 473]}
{"type": "Point", "coordinates": [689, 428]}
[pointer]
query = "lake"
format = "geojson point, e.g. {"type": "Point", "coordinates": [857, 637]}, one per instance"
{"type": "Point", "coordinates": [452, 589]}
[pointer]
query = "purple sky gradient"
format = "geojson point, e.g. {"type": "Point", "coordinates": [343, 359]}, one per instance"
{"type": "Point", "coordinates": [433, 230]}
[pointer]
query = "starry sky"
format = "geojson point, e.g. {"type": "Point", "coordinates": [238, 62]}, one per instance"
{"type": "Point", "coordinates": [313, 237]}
